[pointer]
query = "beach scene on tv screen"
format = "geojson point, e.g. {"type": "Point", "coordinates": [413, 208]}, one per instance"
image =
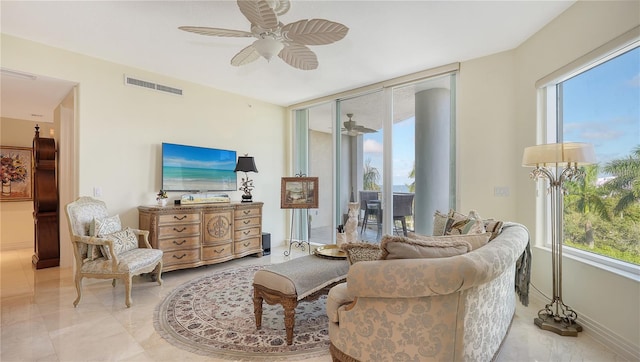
{"type": "Point", "coordinates": [190, 168]}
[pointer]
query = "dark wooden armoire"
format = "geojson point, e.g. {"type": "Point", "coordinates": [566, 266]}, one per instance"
{"type": "Point", "coordinates": [46, 220]}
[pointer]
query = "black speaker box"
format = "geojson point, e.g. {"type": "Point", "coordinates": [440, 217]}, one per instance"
{"type": "Point", "coordinates": [266, 243]}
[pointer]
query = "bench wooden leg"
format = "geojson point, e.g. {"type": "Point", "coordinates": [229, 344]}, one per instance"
{"type": "Point", "coordinates": [289, 305]}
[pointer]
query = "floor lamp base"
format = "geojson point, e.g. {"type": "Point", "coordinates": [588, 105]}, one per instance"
{"type": "Point", "coordinates": [556, 325]}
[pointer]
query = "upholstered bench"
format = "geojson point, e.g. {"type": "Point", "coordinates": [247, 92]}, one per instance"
{"type": "Point", "coordinates": [292, 281]}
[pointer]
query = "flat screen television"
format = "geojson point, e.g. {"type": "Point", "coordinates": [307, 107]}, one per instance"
{"type": "Point", "coordinates": [192, 168]}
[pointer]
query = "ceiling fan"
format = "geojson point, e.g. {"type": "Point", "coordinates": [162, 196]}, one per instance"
{"type": "Point", "coordinates": [289, 41]}
{"type": "Point", "coordinates": [353, 129]}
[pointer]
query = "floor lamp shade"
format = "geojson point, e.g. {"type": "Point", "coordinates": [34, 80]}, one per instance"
{"type": "Point", "coordinates": [558, 162]}
{"type": "Point", "coordinates": [559, 154]}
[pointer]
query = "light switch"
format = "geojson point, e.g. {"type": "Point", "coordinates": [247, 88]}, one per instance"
{"type": "Point", "coordinates": [97, 191]}
{"type": "Point", "coordinates": [501, 191]}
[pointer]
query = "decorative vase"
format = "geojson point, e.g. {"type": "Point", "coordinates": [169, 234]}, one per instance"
{"type": "Point", "coordinates": [162, 202]}
{"type": "Point", "coordinates": [351, 226]}
{"type": "Point", "coordinates": [6, 188]}
{"type": "Point", "coordinates": [340, 238]}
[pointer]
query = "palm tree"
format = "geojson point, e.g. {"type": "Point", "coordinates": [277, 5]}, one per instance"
{"type": "Point", "coordinates": [371, 176]}
{"type": "Point", "coordinates": [626, 181]}
{"type": "Point", "coordinates": [586, 198]}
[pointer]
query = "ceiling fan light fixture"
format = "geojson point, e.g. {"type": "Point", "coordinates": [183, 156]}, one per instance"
{"type": "Point", "coordinates": [268, 47]}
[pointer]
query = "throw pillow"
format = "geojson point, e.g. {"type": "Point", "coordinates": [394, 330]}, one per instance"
{"type": "Point", "coordinates": [99, 227]}
{"type": "Point", "coordinates": [460, 224]}
{"type": "Point", "coordinates": [361, 252]}
{"type": "Point", "coordinates": [494, 227]}
{"type": "Point", "coordinates": [398, 247]}
{"type": "Point", "coordinates": [475, 240]}
{"type": "Point", "coordinates": [104, 226]}
{"type": "Point", "coordinates": [123, 240]}
{"type": "Point", "coordinates": [439, 223]}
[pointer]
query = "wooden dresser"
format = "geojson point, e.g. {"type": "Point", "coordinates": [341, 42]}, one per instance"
{"type": "Point", "coordinates": [194, 235]}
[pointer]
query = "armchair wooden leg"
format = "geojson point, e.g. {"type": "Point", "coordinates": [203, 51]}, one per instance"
{"type": "Point", "coordinates": [78, 289]}
{"type": "Point", "coordinates": [113, 283]}
{"type": "Point", "coordinates": [157, 273]}
{"type": "Point", "coordinates": [127, 290]}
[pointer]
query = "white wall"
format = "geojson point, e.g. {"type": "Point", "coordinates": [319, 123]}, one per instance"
{"type": "Point", "coordinates": [120, 129]}
{"type": "Point", "coordinates": [497, 100]}
{"type": "Point", "coordinates": [601, 298]}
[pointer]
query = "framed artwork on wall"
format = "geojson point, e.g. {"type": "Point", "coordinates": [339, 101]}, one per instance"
{"type": "Point", "coordinates": [16, 173]}
{"type": "Point", "coordinates": [299, 193]}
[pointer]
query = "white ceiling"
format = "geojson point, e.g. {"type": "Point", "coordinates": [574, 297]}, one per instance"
{"type": "Point", "coordinates": [386, 39]}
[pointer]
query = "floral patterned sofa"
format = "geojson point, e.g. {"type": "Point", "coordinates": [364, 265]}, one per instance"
{"type": "Point", "coordinates": [446, 308]}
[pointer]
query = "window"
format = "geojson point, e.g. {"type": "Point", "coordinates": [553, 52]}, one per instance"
{"type": "Point", "coordinates": [600, 104]}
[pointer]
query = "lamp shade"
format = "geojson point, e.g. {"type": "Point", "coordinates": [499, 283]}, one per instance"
{"type": "Point", "coordinates": [559, 154]}
{"type": "Point", "coordinates": [245, 164]}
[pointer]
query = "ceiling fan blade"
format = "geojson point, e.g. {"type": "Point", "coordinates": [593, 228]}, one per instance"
{"type": "Point", "coordinates": [314, 31]}
{"type": "Point", "coordinates": [259, 13]}
{"type": "Point", "coordinates": [299, 56]}
{"type": "Point", "coordinates": [203, 30]}
{"type": "Point", "coordinates": [245, 56]}
{"type": "Point", "coordinates": [364, 129]}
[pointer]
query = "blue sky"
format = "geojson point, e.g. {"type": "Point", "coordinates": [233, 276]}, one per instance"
{"type": "Point", "coordinates": [601, 106]}
{"type": "Point", "coordinates": [403, 152]}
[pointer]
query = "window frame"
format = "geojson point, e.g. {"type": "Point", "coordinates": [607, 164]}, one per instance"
{"type": "Point", "coordinates": [551, 126]}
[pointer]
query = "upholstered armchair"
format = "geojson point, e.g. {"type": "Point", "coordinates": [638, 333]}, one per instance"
{"type": "Point", "coordinates": [103, 250]}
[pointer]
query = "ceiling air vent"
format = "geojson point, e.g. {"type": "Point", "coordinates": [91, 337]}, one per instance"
{"type": "Point", "coordinates": [150, 85]}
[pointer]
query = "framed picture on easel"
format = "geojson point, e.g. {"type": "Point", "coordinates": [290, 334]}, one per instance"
{"type": "Point", "coordinates": [299, 193]}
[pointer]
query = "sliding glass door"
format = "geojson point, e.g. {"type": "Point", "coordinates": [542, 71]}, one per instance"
{"type": "Point", "coordinates": [392, 151]}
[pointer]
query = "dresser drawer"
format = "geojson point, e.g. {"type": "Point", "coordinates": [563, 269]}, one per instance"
{"type": "Point", "coordinates": [253, 211]}
{"type": "Point", "coordinates": [217, 252]}
{"type": "Point", "coordinates": [177, 231]}
{"type": "Point", "coordinates": [246, 233]}
{"type": "Point", "coordinates": [181, 256]}
{"type": "Point", "coordinates": [247, 223]}
{"type": "Point", "coordinates": [179, 243]}
{"type": "Point", "coordinates": [247, 245]}
{"type": "Point", "coordinates": [178, 218]}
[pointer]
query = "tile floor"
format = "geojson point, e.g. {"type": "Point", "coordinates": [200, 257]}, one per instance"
{"type": "Point", "coordinates": [39, 322]}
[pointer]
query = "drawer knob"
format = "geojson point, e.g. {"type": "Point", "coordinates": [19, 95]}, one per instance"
{"type": "Point", "coordinates": [179, 242]}
{"type": "Point", "coordinates": [180, 257]}
{"type": "Point", "coordinates": [246, 244]}
{"type": "Point", "coordinates": [246, 232]}
{"type": "Point", "coordinates": [219, 251]}
{"type": "Point", "coordinates": [246, 212]}
{"type": "Point", "coordinates": [181, 230]}
{"type": "Point", "coordinates": [247, 222]}
{"type": "Point", "coordinates": [180, 217]}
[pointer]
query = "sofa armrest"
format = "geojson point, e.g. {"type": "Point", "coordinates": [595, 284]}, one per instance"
{"type": "Point", "coordinates": [337, 300]}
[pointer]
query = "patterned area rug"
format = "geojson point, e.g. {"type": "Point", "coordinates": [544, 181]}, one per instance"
{"type": "Point", "coordinates": [213, 316]}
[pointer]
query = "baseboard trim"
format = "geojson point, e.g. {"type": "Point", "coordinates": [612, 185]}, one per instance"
{"type": "Point", "coordinates": [616, 343]}
{"type": "Point", "coordinates": [15, 245]}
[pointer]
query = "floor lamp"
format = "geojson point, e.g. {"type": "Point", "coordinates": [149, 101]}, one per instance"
{"type": "Point", "coordinates": [558, 162]}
